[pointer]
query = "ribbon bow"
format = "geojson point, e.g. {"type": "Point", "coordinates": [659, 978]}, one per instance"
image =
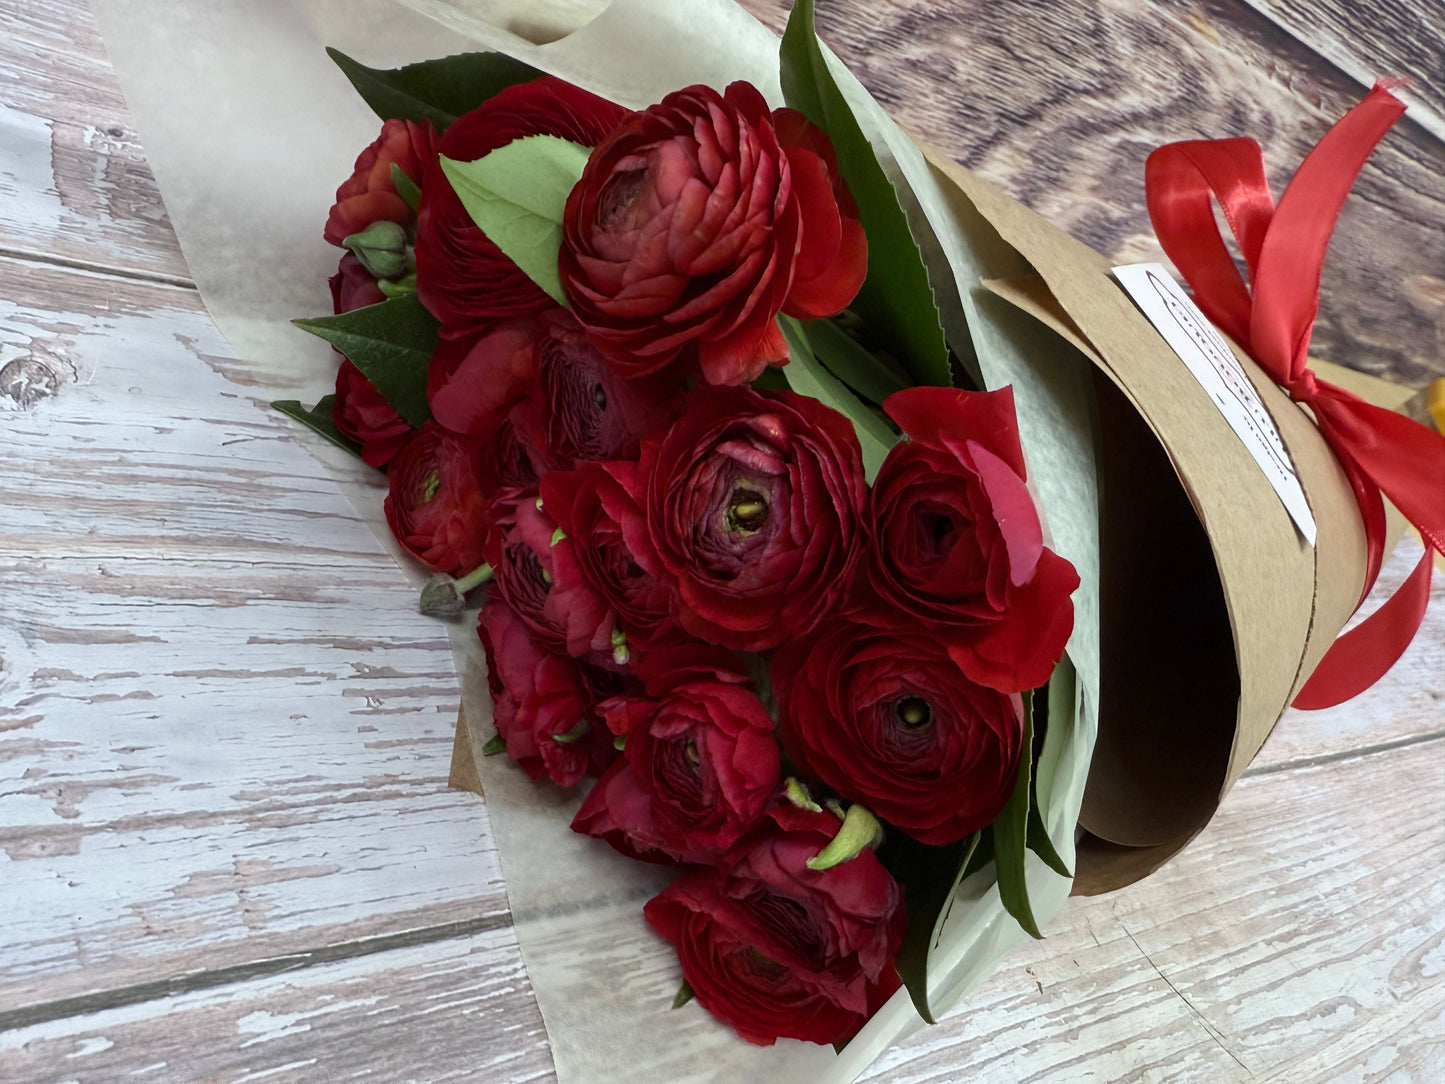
{"type": "Point", "coordinates": [1284, 250]}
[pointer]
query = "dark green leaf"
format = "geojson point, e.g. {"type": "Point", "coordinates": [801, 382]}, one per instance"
{"type": "Point", "coordinates": [896, 302]}
{"type": "Point", "coordinates": [436, 90]}
{"type": "Point", "coordinates": [516, 196]}
{"type": "Point", "coordinates": [930, 876]}
{"type": "Point", "coordinates": [321, 419]}
{"type": "Point", "coordinates": [495, 744]}
{"type": "Point", "coordinates": [405, 187]}
{"type": "Point", "coordinates": [684, 995]}
{"type": "Point", "coordinates": [771, 379]}
{"type": "Point", "coordinates": [391, 342]}
{"type": "Point", "coordinates": [1010, 836]}
{"type": "Point", "coordinates": [807, 377]}
{"type": "Point", "coordinates": [852, 362]}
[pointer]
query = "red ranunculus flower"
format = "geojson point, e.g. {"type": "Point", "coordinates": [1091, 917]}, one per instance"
{"type": "Point", "coordinates": [435, 505]}
{"type": "Point", "coordinates": [519, 540]}
{"type": "Point", "coordinates": [781, 951]}
{"type": "Point", "coordinates": [885, 718]}
{"type": "Point", "coordinates": [957, 540]}
{"type": "Point", "coordinates": [540, 702]}
{"type": "Point", "coordinates": [585, 409]}
{"type": "Point", "coordinates": [754, 506]}
{"type": "Point", "coordinates": [696, 221]}
{"type": "Point", "coordinates": [699, 765]}
{"type": "Point", "coordinates": [606, 581]}
{"type": "Point", "coordinates": [353, 286]}
{"type": "Point", "coordinates": [462, 277]}
{"type": "Point", "coordinates": [360, 411]}
{"type": "Point", "coordinates": [472, 382]}
{"type": "Point", "coordinates": [369, 194]}
{"type": "Point", "coordinates": [363, 415]}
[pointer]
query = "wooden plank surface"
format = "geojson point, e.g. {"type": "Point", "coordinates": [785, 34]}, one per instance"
{"type": "Point", "coordinates": [224, 729]}
{"type": "Point", "coordinates": [1060, 103]}
{"type": "Point", "coordinates": [226, 846]}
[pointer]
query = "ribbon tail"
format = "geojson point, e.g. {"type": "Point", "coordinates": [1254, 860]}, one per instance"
{"type": "Point", "coordinates": [1361, 656]}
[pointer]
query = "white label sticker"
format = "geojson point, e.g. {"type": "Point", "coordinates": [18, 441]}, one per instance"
{"type": "Point", "coordinates": [1206, 354]}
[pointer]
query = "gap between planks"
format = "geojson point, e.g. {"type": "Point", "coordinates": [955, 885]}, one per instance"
{"type": "Point", "coordinates": [225, 976]}
{"type": "Point", "coordinates": [90, 267]}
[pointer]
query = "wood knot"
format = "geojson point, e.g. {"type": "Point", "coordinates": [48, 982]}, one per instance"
{"type": "Point", "coordinates": [28, 380]}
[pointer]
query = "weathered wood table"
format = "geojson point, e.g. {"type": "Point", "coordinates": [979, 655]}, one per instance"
{"type": "Point", "coordinates": [227, 848]}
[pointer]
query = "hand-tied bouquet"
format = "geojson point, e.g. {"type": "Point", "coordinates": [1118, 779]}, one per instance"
{"type": "Point", "coordinates": [780, 521]}
{"type": "Point", "coordinates": [672, 383]}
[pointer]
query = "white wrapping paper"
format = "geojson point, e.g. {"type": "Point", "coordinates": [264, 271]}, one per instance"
{"type": "Point", "coordinates": [249, 129]}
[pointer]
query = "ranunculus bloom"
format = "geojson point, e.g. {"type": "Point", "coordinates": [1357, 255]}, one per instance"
{"type": "Point", "coordinates": [472, 382]}
{"type": "Point", "coordinates": [353, 286]}
{"type": "Point", "coordinates": [957, 540]}
{"type": "Point", "coordinates": [363, 415]}
{"type": "Point", "coordinates": [754, 506]}
{"type": "Point", "coordinates": [576, 408]}
{"type": "Point", "coordinates": [699, 763]}
{"type": "Point", "coordinates": [369, 194]}
{"type": "Point", "coordinates": [540, 702]}
{"type": "Point", "coordinates": [781, 951]}
{"type": "Point", "coordinates": [885, 718]}
{"type": "Point", "coordinates": [435, 505]}
{"type": "Point", "coordinates": [696, 221]}
{"type": "Point", "coordinates": [585, 409]}
{"type": "Point", "coordinates": [360, 411]}
{"type": "Point", "coordinates": [519, 548]}
{"type": "Point", "coordinates": [462, 277]}
{"type": "Point", "coordinates": [606, 581]}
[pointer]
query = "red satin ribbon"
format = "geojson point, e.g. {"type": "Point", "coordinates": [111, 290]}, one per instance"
{"type": "Point", "coordinates": [1284, 249]}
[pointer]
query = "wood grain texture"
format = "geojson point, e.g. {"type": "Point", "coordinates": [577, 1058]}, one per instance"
{"type": "Point", "coordinates": [448, 1011]}
{"type": "Point", "coordinates": [1367, 41]}
{"type": "Point", "coordinates": [224, 729]}
{"type": "Point", "coordinates": [1061, 103]}
{"type": "Point", "coordinates": [74, 183]}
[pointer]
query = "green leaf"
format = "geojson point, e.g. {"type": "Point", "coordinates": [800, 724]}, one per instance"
{"type": "Point", "coordinates": [683, 996]}
{"type": "Point", "coordinates": [808, 377]}
{"type": "Point", "coordinates": [930, 876]}
{"type": "Point", "coordinates": [391, 342]}
{"type": "Point", "coordinates": [1058, 708]}
{"type": "Point", "coordinates": [516, 196]}
{"type": "Point", "coordinates": [852, 362]}
{"type": "Point", "coordinates": [896, 302]}
{"type": "Point", "coordinates": [495, 744]}
{"type": "Point", "coordinates": [405, 187]}
{"type": "Point", "coordinates": [436, 90]}
{"type": "Point", "coordinates": [1010, 835]}
{"type": "Point", "coordinates": [321, 419]}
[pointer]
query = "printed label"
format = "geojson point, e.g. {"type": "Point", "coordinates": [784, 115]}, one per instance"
{"type": "Point", "coordinates": [1206, 354]}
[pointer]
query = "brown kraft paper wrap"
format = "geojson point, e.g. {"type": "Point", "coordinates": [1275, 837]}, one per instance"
{"type": "Point", "coordinates": [1214, 609]}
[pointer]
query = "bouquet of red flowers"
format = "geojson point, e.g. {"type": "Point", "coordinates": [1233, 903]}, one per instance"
{"type": "Point", "coordinates": [672, 384]}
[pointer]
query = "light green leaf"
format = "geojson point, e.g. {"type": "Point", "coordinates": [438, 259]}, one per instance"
{"type": "Point", "coordinates": [807, 377]}
{"type": "Point", "coordinates": [319, 419]}
{"type": "Point", "coordinates": [1010, 836]}
{"type": "Point", "coordinates": [436, 90]}
{"type": "Point", "coordinates": [391, 342]}
{"type": "Point", "coordinates": [516, 196]}
{"type": "Point", "coordinates": [896, 302]}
